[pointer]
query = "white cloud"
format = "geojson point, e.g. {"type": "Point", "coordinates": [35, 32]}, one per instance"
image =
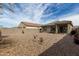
{"type": "Point", "coordinates": [73, 18]}
{"type": "Point", "coordinates": [6, 22]}
{"type": "Point", "coordinates": [35, 11]}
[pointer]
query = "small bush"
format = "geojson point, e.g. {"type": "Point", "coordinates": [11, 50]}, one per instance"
{"type": "Point", "coordinates": [22, 31]}
{"type": "Point", "coordinates": [73, 32]}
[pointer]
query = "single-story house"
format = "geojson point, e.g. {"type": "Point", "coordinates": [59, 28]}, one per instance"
{"type": "Point", "coordinates": [28, 25]}
{"type": "Point", "coordinates": [53, 27]}
{"type": "Point", "coordinates": [58, 27]}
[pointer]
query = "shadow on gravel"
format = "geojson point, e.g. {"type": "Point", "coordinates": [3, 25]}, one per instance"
{"type": "Point", "coordinates": [5, 42]}
{"type": "Point", "coordinates": [64, 47]}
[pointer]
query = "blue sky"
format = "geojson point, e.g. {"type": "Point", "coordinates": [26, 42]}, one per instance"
{"type": "Point", "coordinates": [12, 14]}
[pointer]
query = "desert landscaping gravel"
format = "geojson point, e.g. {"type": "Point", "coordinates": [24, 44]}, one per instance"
{"type": "Point", "coordinates": [33, 43]}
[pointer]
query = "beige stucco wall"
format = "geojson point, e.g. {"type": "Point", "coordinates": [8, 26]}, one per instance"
{"type": "Point", "coordinates": [29, 27]}
{"type": "Point", "coordinates": [48, 29]}
{"type": "Point", "coordinates": [56, 29]}
{"type": "Point", "coordinates": [21, 25]}
{"type": "Point", "coordinates": [69, 28]}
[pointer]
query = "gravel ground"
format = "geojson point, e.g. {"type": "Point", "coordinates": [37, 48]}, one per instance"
{"type": "Point", "coordinates": [15, 43]}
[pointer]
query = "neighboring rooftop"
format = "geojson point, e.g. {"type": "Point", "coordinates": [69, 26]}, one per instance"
{"type": "Point", "coordinates": [52, 23]}
{"type": "Point", "coordinates": [31, 24]}
{"type": "Point", "coordinates": [60, 22]}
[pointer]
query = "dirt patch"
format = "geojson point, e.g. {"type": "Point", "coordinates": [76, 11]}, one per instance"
{"type": "Point", "coordinates": [16, 43]}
